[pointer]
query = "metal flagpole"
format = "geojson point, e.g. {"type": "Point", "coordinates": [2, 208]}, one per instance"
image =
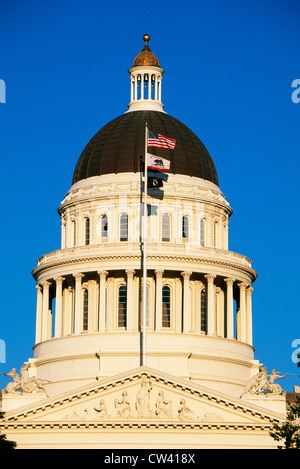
{"type": "Point", "coordinates": [145, 249]}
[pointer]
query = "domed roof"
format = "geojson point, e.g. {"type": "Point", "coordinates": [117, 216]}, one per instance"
{"type": "Point", "coordinates": [146, 57]}
{"type": "Point", "coordinates": [118, 146]}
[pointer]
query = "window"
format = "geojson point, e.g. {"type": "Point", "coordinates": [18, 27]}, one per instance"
{"type": "Point", "coordinates": [85, 309]}
{"type": "Point", "coordinates": [104, 227]}
{"type": "Point", "coordinates": [122, 306]}
{"type": "Point", "coordinates": [185, 227]}
{"type": "Point", "coordinates": [166, 306]}
{"type": "Point", "coordinates": [166, 227]}
{"type": "Point", "coordinates": [87, 231]}
{"type": "Point", "coordinates": [202, 231]}
{"type": "Point", "coordinates": [124, 227]}
{"type": "Point", "coordinates": [203, 312]}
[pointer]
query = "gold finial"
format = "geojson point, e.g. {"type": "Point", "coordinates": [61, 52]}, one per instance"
{"type": "Point", "coordinates": [146, 38]}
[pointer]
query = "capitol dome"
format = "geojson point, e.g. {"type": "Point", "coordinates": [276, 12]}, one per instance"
{"type": "Point", "coordinates": [137, 303]}
{"type": "Point", "coordinates": [118, 146]}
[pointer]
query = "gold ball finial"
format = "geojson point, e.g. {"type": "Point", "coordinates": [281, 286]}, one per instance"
{"type": "Point", "coordinates": [146, 38]}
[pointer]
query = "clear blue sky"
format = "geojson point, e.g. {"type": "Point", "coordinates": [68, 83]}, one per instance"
{"type": "Point", "coordinates": [229, 66]}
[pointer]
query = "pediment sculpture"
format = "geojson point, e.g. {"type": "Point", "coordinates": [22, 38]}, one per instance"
{"type": "Point", "coordinates": [259, 384]}
{"type": "Point", "coordinates": [23, 383]}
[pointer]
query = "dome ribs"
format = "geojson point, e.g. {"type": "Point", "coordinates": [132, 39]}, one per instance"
{"type": "Point", "coordinates": [117, 147]}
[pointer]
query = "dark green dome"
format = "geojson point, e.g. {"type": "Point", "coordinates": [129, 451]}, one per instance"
{"type": "Point", "coordinates": [117, 147]}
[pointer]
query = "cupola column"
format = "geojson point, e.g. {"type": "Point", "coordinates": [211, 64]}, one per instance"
{"type": "Point", "coordinates": [242, 313]}
{"type": "Point", "coordinates": [102, 299]}
{"type": "Point", "coordinates": [45, 322]}
{"type": "Point", "coordinates": [58, 307]}
{"type": "Point", "coordinates": [158, 302]}
{"type": "Point", "coordinates": [39, 311]}
{"type": "Point", "coordinates": [229, 307]}
{"type": "Point", "coordinates": [249, 291]}
{"type": "Point", "coordinates": [129, 307]}
{"type": "Point", "coordinates": [211, 305]}
{"type": "Point", "coordinates": [78, 297]}
{"type": "Point", "coordinates": [187, 317]}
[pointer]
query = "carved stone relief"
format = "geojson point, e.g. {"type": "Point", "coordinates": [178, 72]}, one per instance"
{"type": "Point", "coordinates": [136, 404]}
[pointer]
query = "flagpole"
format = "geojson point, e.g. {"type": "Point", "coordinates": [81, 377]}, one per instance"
{"type": "Point", "coordinates": [145, 249]}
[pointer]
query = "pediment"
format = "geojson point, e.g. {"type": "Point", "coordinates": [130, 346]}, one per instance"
{"type": "Point", "coordinates": [143, 397]}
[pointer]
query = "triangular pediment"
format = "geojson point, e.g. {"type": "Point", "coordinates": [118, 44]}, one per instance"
{"type": "Point", "coordinates": [143, 397]}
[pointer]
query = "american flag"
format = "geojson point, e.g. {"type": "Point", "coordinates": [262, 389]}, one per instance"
{"type": "Point", "coordinates": [160, 141]}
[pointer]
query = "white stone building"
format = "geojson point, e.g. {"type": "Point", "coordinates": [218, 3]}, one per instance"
{"type": "Point", "coordinates": [97, 378]}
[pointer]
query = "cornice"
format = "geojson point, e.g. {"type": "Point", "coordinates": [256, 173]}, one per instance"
{"type": "Point", "coordinates": [107, 259]}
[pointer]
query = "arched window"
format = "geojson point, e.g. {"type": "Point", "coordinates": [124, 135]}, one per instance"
{"type": "Point", "coordinates": [124, 227]}
{"type": "Point", "coordinates": [185, 227]}
{"type": "Point", "coordinates": [104, 227]}
{"type": "Point", "coordinates": [166, 306]}
{"type": "Point", "coordinates": [166, 227]}
{"type": "Point", "coordinates": [202, 232]}
{"type": "Point", "coordinates": [203, 323]}
{"type": "Point", "coordinates": [85, 309]}
{"type": "Point", "coordinates": [87, 230]}
{"type": "Point", "coordinates": [122, 306]}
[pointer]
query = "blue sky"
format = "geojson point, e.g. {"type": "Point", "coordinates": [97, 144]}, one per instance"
{"type": "Point", "coordinates": [229, 67]}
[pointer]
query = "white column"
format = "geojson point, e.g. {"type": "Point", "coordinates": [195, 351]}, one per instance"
{"type": "Point", "coordinates": [158, 302]}
{"type": "Point", "coordinates": [92, 314]}
{"type": "Point", "coordinates": [45, 325]}
{"type": "Point", "coordinates": [178, 305]}
{"type": "Point", "coordinates": [102, 300]}
{"type": "Point", "coordinates": [229, 307]}
{"type": "Point", "coordinates": [58, 307]}
{"type": "Point", "coordinates": [211, 305]}
{"type": "Point", "coordinates": [129, 307]}
{"type": "Point", "coordinates": [78, 309]}
{"type": "Point", "coordinates": [242, 312]}
{"type": "Point", "coordinates": [199, 287]}
{"type": "Point", "coordinates": [187, 310]}
{"type": "Point", "coordinates": [39, 312]}
{"type": "Point", "coordinates": [249, 314]}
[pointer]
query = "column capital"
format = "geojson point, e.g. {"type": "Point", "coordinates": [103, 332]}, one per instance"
{"type": "Point", "coordinates": [130, 273]}
{"type": "Point", "coordinates": [38, 288]}
{"type": "Point", "coordinates": [229, 281]}
{"type": "Point", "coordinates": [210, 278]}
{"type": "Point", "coordinates": [45, 284]}
{"type": "Point", "coordinates": [159, 273]}
{"type": "Point", "coordinates": [102, 273]}
{"type": "Point", "coordinates": [78, 276]}
{"type": "Point", "coordinates": [59, 280]}
{"type": "Point", "coordinates": [249, 290]}
{"type": "Point", "coordinates": [242, 285]}
{"type": "Point", "coordinates": [186, 275]}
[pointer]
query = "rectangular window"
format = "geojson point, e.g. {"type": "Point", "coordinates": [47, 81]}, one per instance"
{"type": "Point", "coordinates": [166, 306]}
{"type": "Point", "coordinates": [122, 306]}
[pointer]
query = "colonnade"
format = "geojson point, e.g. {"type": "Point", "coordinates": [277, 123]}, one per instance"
{"type": "Point", "coordinates": [222, 318]}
